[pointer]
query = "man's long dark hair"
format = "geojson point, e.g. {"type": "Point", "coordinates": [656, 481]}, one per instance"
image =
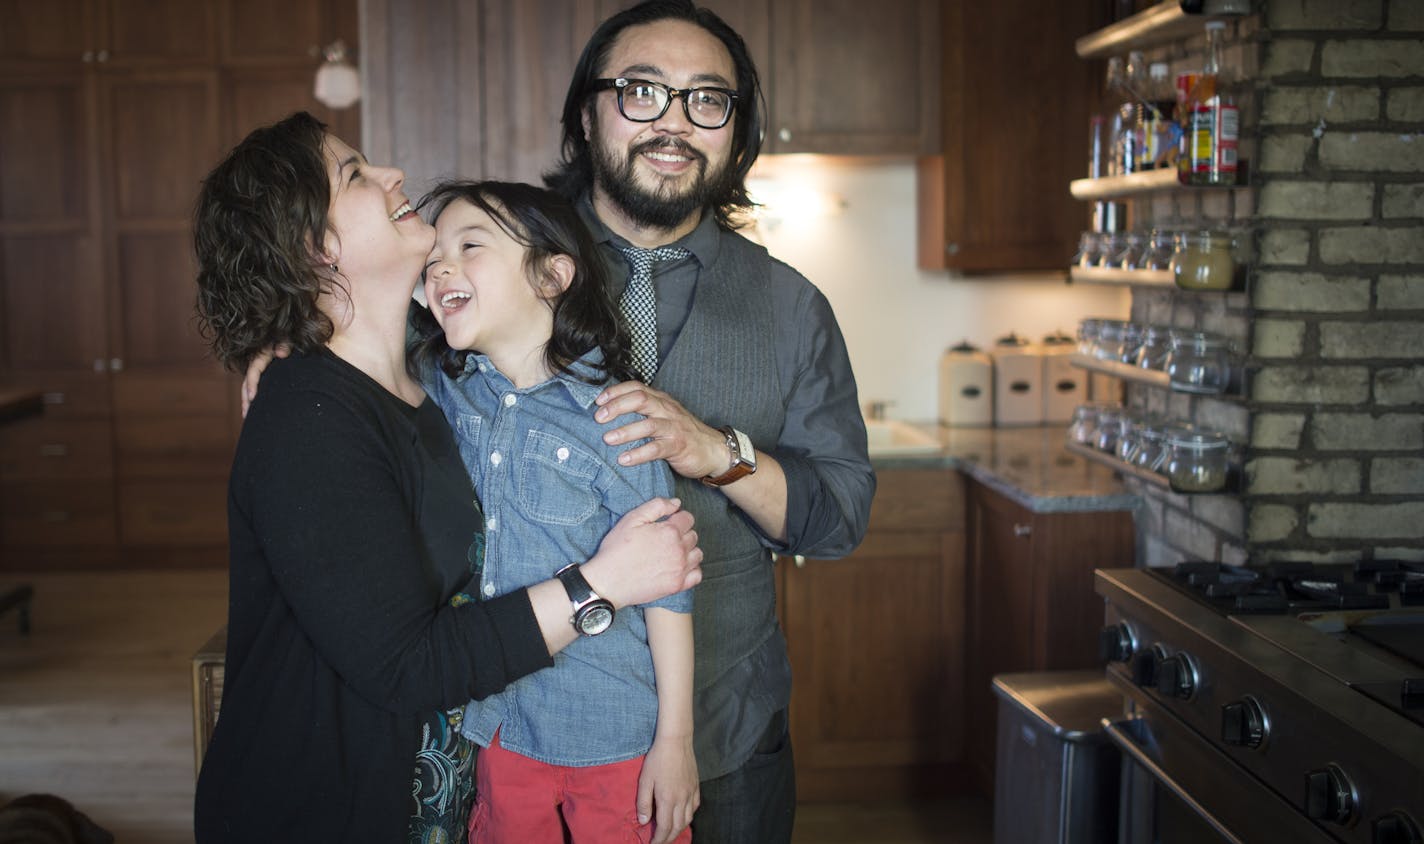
{"type": "Point", "coordinates": [573, 177]}
{"type": "Point", "coordinates": [545, 224]}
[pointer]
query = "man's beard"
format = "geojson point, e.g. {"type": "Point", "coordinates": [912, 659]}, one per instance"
{"type": "Point", "coordinates": [662, 207]}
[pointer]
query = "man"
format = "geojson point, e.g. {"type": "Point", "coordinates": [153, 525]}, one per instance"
{"type": "Point", "coordinates": [750, 396]}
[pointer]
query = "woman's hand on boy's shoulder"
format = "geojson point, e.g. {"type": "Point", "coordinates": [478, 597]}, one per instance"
{"type": "Point", "coordinates": [255, 368]}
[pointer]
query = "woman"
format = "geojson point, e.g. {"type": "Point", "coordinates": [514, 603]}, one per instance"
{"type": "Point", "coordinates": [353, 528]}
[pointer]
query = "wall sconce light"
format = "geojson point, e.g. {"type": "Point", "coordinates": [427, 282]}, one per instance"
{"type": "Point", "coordinates": [338, 85]}
{"type": "Point", "coordinates": [783, 198]}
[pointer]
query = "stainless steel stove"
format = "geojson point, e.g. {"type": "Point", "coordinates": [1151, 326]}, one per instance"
{"type": "Point", "coordinates": [1277, 703]}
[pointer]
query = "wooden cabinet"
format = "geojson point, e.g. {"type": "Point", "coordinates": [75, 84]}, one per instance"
{"type": "Point", "coordinates": [1016, 101]}
{"type": "Point", "coordinates": [111, 113]}
{"type": "Point", "coordinates": [839, 76]}
{"type": "Point", "coordinates": [1032, 605]}
{"type": "Point", "coordinates": [877, 648]}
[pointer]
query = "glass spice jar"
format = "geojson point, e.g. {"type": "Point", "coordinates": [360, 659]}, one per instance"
{"type": "Point", "coordinates": [1109, 429]}
{"type": "Point", "coordinates": [1151, 451]}
{"type": "Point", "coordinates": [1088, 336]}
{"type": "Point", "coordinates": [1089, 245]}
{"type": "Point", "coordinates": [1111, 339]}
{"type": "Point", "coordinates": [1134, 244]}
{"type": "Point", "coordinates": [1128, 425]}
{"type": "Point", "coordinates": [1198, 362]}
{"type": "Point", "coordinates": [1202, 260]}
{"type": "Point", "coordinates": [1131, 342]}
{"type": "Point", "coordinates": [1152, 351]}
{"type": "Point", "coordinates": [1109, 248]}
{"type": "Point", "coordinates": [1158, 255]}
{"type": "Point", "coordinates": [1196, 460]}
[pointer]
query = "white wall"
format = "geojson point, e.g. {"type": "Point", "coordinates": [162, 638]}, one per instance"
{"type": "Point", "coordinates": [897, 319]}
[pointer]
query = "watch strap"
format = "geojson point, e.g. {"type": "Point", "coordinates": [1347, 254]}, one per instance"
{"type": "Point", "coordinates": [743, 458]}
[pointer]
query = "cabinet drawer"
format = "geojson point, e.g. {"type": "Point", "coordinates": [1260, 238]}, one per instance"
{"type": "Point", "coordinates": [173, 447]}
{"type": "Point", "coordinates": [56, 449]}
{"type": "Point", "coordinates": [147, 394]}
{"type": "Point", "coordinates": [918, 499]}
{"type": "Point", "coordinates": [67, 395]}
{"type": "Point", "coordinates": [58, 514]}
{"type": "Point", "coordinates": [173, 513]}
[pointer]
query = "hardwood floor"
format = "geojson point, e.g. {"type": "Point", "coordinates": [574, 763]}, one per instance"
{"type": "Point", "coordinates": [96, 707]}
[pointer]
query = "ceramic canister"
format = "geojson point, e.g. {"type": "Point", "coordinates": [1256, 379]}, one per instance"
{"type": "Point", "coordinates": [1018, 382]}
{"type": "Point", "coordinates": [1065, 386]}
{"type": "Point", "coordinates": [966, 385]}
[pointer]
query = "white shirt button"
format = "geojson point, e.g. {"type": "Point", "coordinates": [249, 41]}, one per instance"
{"type": "Point", "coordinates": [492, 524]}
{"type": "Point", "coordinates": [482, 367]}
{"type": "Point", "coordinates": [562, 453]}
{"type": "Point", "coordinates": [496, 458]}
{"type": "Point", "coordinates": [509, 400]}
{"type": "Point", "coordinates": [489, 590]}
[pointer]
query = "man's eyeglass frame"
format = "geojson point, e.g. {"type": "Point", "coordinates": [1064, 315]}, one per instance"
{"type": "Point", "coordinates": [621, 83]}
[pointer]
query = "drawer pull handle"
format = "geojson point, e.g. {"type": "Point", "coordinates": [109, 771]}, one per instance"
{"type": "Point", "coordinates": [56, 397]}
{"type": "Point", "coordinates": [1023, 530]}
{"type": "Point", "coordinates": [54, 450]}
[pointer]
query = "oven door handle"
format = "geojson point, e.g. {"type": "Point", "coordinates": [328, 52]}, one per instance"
{"type": "Point", "coordinates": [1120, 735]}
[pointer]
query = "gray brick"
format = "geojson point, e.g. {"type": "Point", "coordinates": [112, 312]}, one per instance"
{"type": "Point", "coordinates": [1293, 476]}
{"type": "Point", "coordinates": [1223, 512]}
{"type": "Point", "coordinates": [1310, 292]}
{"type": "Point", "coordinates": [1363, 432]}
{"type": "Point", "coordinates": [1373, 245]}
{"type": "Point", "coordinates": [1405, 105]}
{"type": "Point", "coordinates": [1158, 554]}
{"type": "Point", "coordinates": [1285, 247]}
{"type": "Point", "coordinates": [1276, 338]}
{"type": "Point", "coordinates": [1285, 153]}
{"type": "Point", "coordinates": [1400, 385]}
{"type": "Point", "coordinates": [1397, 476]}
{"type": "Point", "coordinates": [1284, 106]}
{"type": "Point", "coordinates": [1324, 14]}
{"type": "Point", "coordinates": [1271, 522]}
{"type": "Point", "coordinates": [1361, 340]}
{"type": "Point", "coordinates": [1284, 200]}
{"type": "Point", "coordinates": [1277, 430]}
{"type": "Point", "coordinates": [1286, 57]}
{"type": "Point", "coordinates": [1397, 553]}
{"type": "Point", "coordinates": [1372, 58]}
{"type": "Point", "coordinates": [1400, 293]}
{"type": "Point", "coordinates": [1406, 16]}
{"type": "Point", "coordinates": [1233, 554]}
{"type": "Point", "coordinates": [1372, 151]}
{"type": "Point", "coordinates": [1405, 201]}
{"type": "Point", "coordinates": [1198, 540]}
{"type": "Point", "coordinates": [1338, 385]}
{"type": "Point", "coordinates": [1337, 520]}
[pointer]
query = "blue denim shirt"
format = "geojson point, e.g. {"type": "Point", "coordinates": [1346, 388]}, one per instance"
{"type": "Point", "coordinates": [551, 488]}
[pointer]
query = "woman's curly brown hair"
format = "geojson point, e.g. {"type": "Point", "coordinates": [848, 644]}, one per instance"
{"type": "Point", "coordinates": [261, 216]}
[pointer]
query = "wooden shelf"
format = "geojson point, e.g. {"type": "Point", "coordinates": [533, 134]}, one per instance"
{"type": "Point", "coordinates": [1233, 475]}
{"type": "Point", "coordinates": [1125, 371]}
{"type": "Point", "coordinates": [1131, 278]}
{"type": "Point", "coordinates": [1131, 184]}
{"type": "Point", "coordinates": [1161, 23]}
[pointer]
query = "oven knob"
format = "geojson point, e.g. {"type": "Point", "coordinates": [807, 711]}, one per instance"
{"type": "Point", "coordinates": [1144, 666]}
{"type": "Point", "coordinates": [1176, 677]}
{"type": "Point", "coordinates": [1115, 643]}
{"type": "Point", "coordinates": [1243, 723]}
{"type": "Point", "coordinates": [1329, 796]}
{"type": "Point", "coordinates": [1396, 828]}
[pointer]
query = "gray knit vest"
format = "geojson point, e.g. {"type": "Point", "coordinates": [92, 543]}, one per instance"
{"type": "Point", "coordinates": [722, 368]}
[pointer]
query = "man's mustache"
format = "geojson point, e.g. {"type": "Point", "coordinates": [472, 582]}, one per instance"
{"type": "Point", "coordinates": [669, 145]}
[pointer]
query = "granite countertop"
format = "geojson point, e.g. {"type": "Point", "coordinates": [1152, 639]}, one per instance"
{"type": "Point", "coordinates": [1028, 465]}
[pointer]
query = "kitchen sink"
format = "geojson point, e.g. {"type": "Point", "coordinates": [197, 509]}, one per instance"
{"type": "Point", "coordinates": [892, 437]}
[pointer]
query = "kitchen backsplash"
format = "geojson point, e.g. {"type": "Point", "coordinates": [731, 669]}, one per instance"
{"type": "Point", "coordinates": [849, 226]}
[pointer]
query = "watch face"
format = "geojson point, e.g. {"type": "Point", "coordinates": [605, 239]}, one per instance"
{"type": "Point", "coordinates": [595, 618]}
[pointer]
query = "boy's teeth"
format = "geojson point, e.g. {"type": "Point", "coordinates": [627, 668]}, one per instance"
{"type": "Point", "coordinates": [452, 296]}
{"type": "Point", "coordinates": [400, 212]}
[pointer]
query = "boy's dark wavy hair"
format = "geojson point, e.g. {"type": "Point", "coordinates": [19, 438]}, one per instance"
{"type": "Point", "coordinates": [260, 215]}
{"type": "Point", "coordinates": [573, 175]}
{"type": "Point", "coordinates": [545, 224]}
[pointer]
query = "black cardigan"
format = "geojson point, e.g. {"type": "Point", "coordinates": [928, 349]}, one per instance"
{"type": "Point", "coordinates": [349, 517]}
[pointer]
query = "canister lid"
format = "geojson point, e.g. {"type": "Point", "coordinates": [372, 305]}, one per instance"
{"type": "Point", "coordinates": [1011, 339]}
{"type": "Point", "coordinates": [964, 346]}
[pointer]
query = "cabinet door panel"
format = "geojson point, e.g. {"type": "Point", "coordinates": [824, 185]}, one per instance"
{"type": "Point", "coordinates": [44, 173]}
{"type": "Point", "coordinates": [57, 514]}
{"type": "Point", "coordinates": [55, 30]}
{"type": "Point", "coordinates": [261, 96]}
{"type": "Point", "coordinates": [249, 33]}
{"type": "Point", "coordinates": [147, 32]}
{"type": "Point", "coordinates": [53, 449]}
{"type": "Point", "coordinates": [851, 77]}
{"type": "Point", "coordinates": [162, 133]}
{"type": "Point", "coordinates": [173, 513]}
{"type": "Point", "coordinates": [53, 302]}
{"type": "Point", "coordinates": [155, 274]}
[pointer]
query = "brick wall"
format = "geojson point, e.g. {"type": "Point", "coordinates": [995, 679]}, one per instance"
{"type": "Point", "coordinates": [1336, 461]}
{"type": "Point", "coordinates": [1332, 321]}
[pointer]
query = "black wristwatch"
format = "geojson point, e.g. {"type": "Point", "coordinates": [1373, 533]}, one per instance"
{"type": "Point", "coordinates": [592, 614]}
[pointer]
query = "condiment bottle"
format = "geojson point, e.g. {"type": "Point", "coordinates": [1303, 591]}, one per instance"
{"type": "Point", "coordinates": [1210, 121]}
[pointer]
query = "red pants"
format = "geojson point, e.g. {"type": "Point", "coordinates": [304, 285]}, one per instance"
{"type": "Point", "coordinates": [522, 800]}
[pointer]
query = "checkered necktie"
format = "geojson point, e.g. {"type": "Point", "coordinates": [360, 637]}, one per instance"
{"type": "Point", "coordinates": [640, 308]}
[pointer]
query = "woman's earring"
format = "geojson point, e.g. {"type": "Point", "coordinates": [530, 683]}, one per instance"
{"type": "Point", "coordinates": [335, 268]}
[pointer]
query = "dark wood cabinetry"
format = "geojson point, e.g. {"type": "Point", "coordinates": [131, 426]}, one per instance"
{"type": "Point", "coordinates": [111, 112]}
{"type": "Point", "coordinates": [877, 648]}
{"type": "Point", "coordinates": [1032, 607]}
{"type": "Point", "coordinates": [1016, 102]}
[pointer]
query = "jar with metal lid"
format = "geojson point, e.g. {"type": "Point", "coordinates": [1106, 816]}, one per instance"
{"type": "Point", "coordinates": [1128, 425]}
{"type": "Point", "coordinates": [1151, 451]}
{"type": "Point", "coordinates": [1109, 429]}
{"type": "Point", "coordinates": [1088, 336]}
{"type": "Point", "coordinates": [1089, 246]}
{"type": "Point", "coordinates": [1202, 260]}
{"type": "Point", "coordinates": [1109, 247]}
{"type": "Point", "coordinates": [1131, 342]}
{"type": "Point", "coordinates": [1134, 244]}
{"type": "Point", "coordinates": [1196, 460]}
{"type": "Point", "coordinates": [1198, 362]}
{"type": "Point", "coordinates": [1111, 339]}
{"type": "Point", "coordinates": [1152, 350]}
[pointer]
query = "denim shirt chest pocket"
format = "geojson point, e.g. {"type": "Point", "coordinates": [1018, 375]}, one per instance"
{"type": "Point", "coordinates": [556, 480]}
